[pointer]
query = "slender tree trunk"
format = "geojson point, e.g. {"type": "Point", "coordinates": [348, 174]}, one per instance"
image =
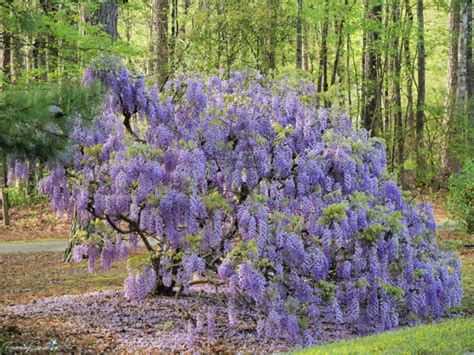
{"type": "Point", "coordinates": [160, 23]}
{"type": "Point", "coordinates": [4, 186]}
{"type": "Point", "coordinates": [339, 46]}
{"type": "Point", "coordinates": [449, 160]}
{"type": "Point", "coordinates": [151, 45]}
{"type": "Point", "coordinates": [305, 48]}
{"type": "Point", "coordinates": [299, 36]}
{"type": "Point", "coordinates": [396, 89]}
{"type": "Point", "coordinates": [465, 62]}
{"type": "Point", "coordinates": [5, 57]}
{"type": "Point", "coordinates": [174, 32]}
{"type": "Point", "coordinates": [348, 75]}
{"type": "Point", "coordinates": [469, 140]}
{"type": "Point", "coordinates": [274, 6]}
{"type": "Point", "coordinates": [371, 119]}
{"type": "Point", "coordinates": [323, 56]}
{"type": "Point", "coordinates": [420, 104]}
{"type": "Point", "coordinates": [409, 115]}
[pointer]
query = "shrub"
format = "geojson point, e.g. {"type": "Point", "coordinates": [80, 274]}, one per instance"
{"type": "Point", "coordinates": [461, 196]}
{"type": "Point", "coordinates": [245, 182]}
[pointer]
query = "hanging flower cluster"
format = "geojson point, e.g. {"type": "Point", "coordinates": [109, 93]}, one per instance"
{"type": "Point", "coordinates": [244, 182]}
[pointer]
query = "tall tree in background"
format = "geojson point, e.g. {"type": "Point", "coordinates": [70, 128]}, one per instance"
{"type": "Point", "coordinates": [160, 10]}
{"type": "Point", "coordinates": [409, 76]}
{"type": "Point", "coordinates": [449, 159]}
{"type": "Point", "coordinates": [420, 103]}
{"type": "Point", "coordinates": [466, 79]}
{"type": "Point", "coordinates": [396, 87]}
{"type": "Point", "coordinates": [323, 53]}
{"type": "Point", "coordinates": [299, 36]}
{"type": "Point", "coordinates": [5, 57]}
{"type": "Point", "coordinates": [271, 43]}
{"type": "Point", "coordinates": [371, 91]}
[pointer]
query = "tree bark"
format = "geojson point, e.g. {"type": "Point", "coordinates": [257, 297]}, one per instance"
{"type": "Point", "coordinates": [299, 36]}
{"type": "Point", "coordinates": [420, 104]}
{"type": "Point", "coordinates": [323, 56]}
{"type": "Point", "coordinates": [449, 160]}
{"type": "Point", "coordinates": [270, 47]}
{"type": "Point", "coordinates": [409, 113]}
{"type": "Point", "coordinates": [470, 82]}
{"type": "Point", "coordinates": [340, 42]}
{"type": "Point", "coordinates": [396, 89]}
{"type": "Point", "coordinates": [371, 91]}
{"type": "Point", "coordinates": [5, 57]}
{"type": "Point", "coordinates": [4, 194]}
{"type": "Point", "coordinates": [465, 79]}
{"type": "Point", "coordinates": [106, 16]}
{"type": "Point", "coordinates": [161, 56]}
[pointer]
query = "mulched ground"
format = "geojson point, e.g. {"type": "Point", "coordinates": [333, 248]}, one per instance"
{"type": "Point", "coordinates": [33, 223]}
{"type": "Point", "coordinates": [155, 324]}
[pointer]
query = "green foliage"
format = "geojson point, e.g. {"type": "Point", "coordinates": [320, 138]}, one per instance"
{"type": "Point", "coordinates": [214, 201]}
{"type": "Point", "coordinates": [450, 337]}
{"type": "Point", "coordinates": [334, 212]}
{"type": "Point", "coordinates": [37, 122]}
{"type": "Point", "coordinates": [328, 290]}
{"type": "Point", "coordinates": [20, 196]}
{"type": "Point", "coordinates": [461, 196]}
{"type": "Point", "coordinates": [243, 251]}
{"type": "Point", "coordinates": [138, 262]}
{"type": "Point", "coordinates": [373, 232]}
{"type": "Point", "coordinates": [282, 132]}
{"type": "Point", "coordinates": [395, 291]}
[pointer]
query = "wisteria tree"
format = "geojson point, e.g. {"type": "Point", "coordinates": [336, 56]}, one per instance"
{"type": "Point", "coordinates": [243, 184]}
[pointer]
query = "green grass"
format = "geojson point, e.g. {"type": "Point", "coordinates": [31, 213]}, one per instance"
{"type": "Point", "coordinates": [454, 336]}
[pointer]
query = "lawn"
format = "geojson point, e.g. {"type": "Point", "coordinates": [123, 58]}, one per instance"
{"type": "Point", "coordinates": [454, 336]}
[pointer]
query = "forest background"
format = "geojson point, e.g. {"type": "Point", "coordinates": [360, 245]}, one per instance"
{"type": "Point", "coordinates": [400, 68]}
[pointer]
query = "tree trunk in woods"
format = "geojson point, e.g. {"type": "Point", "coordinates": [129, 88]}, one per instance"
{"type": "Point", "coordinates": [5, 57]}
{"type": "Point", "coordinates": [420, 104]}
{"type": "Point", "coordinates": [4, 194]}
{"type": "Point", "coordinates": [151, 45]}
{"type": "Point", "coordinates": [323, 55]}
{"type": "Point", "coordinates": [396, 90]}
{"type": "Point", "coordinates": [106, 16]}
{"type": "Point", "coordinates": [270, 47]}
{"type": "Point", "coordinates": [470, 82]}
{"type": "Point", "coordinates": [299, 36]}
{"type": "Point", "coordinates": [174, 32]}
{"type": "Point", "coordinates": [339, 46]}
{"type": "Point", "coordinates": [409, 113]}
{"type": "Point", "coordinates": [348, 75]}
{"type": "Point", "coordinates": [161, 55]}
{"type": "Point", "coordinates": [305, 48]}
{"type": "Point", "coordinates": [371, 94]}
{"type": "Point", "coordinates": [465, 80]}
{"type": "Point", "coordinates": [449, 160]}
